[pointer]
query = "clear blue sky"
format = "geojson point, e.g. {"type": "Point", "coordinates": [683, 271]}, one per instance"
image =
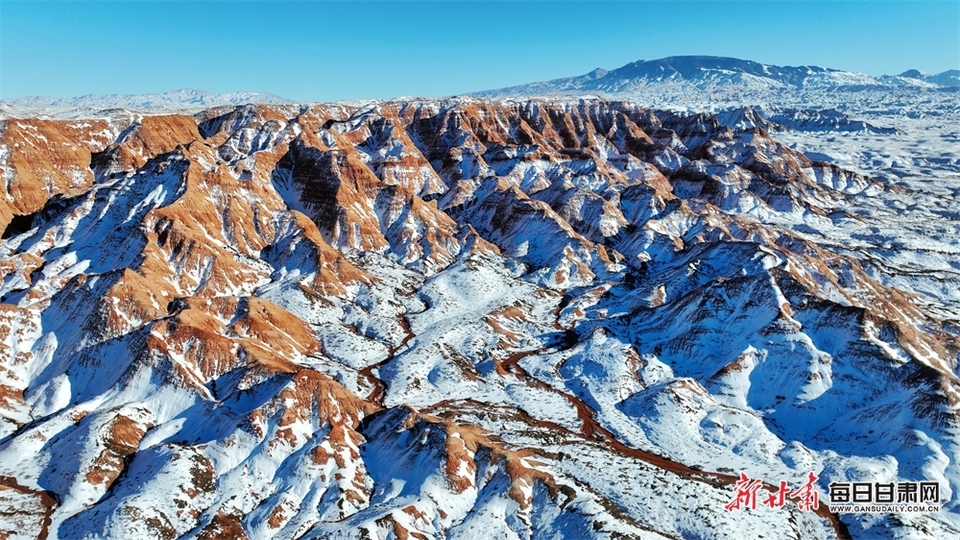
{"type": "Point", "coordinates": [325, 51]}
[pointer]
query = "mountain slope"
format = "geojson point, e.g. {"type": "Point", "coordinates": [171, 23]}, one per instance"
{"type": "Point", "coordinates": [574, 318]}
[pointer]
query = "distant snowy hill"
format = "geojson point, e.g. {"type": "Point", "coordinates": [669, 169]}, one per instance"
{"type": "Point", "coordinates": [716, 73]}
{"type": "Point", "coordinates": [184, 99]}
{"type": "Point", "coordinates": [947, 78]}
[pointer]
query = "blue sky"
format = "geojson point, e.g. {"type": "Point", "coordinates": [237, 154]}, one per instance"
{"type": "Point", "coordinates": [326, 51]}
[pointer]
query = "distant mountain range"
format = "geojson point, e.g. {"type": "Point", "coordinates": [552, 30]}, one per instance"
{"type": "Point", "coordinates": [642, 78]}
{"type": "Point", "coordinates": [184, 98]}
{"type": "Point", "coordinates": [717, 73]}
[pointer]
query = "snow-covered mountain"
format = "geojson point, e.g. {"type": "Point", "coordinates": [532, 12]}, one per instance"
{"type": "Point", "coordinates": [183, 100]}
{"type": "Point", "coordinates": [806, 99]}
{"type": "Point", "coordinates": [465, 318]}
{"type": "Point", "coordinates": [711, 73]}
{"type": "Point", "coordinates": [950, 78]}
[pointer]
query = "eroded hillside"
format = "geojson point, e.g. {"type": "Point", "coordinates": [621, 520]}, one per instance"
{"type": "Point", "coordinates": [433, 318]}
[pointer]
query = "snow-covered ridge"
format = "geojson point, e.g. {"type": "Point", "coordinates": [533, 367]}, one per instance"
{"type": "Point", "coordinates": [182, 100]}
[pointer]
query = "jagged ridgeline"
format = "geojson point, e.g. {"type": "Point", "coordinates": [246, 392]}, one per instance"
{"type": "Point", "coordinates": [446, 319]}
